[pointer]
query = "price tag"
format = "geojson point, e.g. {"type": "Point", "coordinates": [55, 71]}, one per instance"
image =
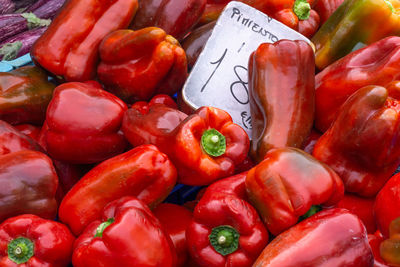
{"type": "Point", "coordinates": [219, 77]}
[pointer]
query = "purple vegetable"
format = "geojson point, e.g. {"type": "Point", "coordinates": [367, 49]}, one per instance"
{"type": "Point", "coordinates": [15, 6]}
{"type": "Point", "coordinates": [48, 9]}
{"type": "Point", "coordinates": [6, 7]}
{"type": "Point", "coordinates": [12, 24]}
{"type": "Point", "coordinates": [19, 44]}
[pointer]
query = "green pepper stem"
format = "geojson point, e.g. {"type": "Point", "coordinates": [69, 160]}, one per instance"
{"type": "Point", "coordinates": [224, 239]}
{"type": "Point", "coordinates": [20, 250]}
{"type": "Point", "coordinates": [313, 210]}
{"type": "Point", "coordinates": [302, 9]}
{"type": "Point", "coordinates": [213, 143]}
{"type": "Point", "coordinates": [100, 229]}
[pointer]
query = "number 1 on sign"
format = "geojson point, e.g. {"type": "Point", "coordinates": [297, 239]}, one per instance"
{"type": "Point", "coordinates": [218, 63]}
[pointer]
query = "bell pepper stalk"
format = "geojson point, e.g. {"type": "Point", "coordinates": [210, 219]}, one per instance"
{"type": "Point", "coordinates": [28, 240]}
{"type": "Point", "coordinates": [207, 146]}
{"type": "Point", "coordinates": [362, 207]}
{"type": "Point", "coordinates": [143, 172]}
{"type": "Point", "coordinates": [362, 145]}
{"type": "Point", "coordinates": [390, 248]}
{"type": "Point", "coordinates": [175, 219]}
{"type": "Point", "coordinates": [29, 184]}
{"type": "Point", "coordinates": [332, 237]}
{"type": "Point", "coordinates": [24, 95]}
{"type": "Point", "coordinates": [176, 17]}
{"type": "Point", "coordinates": [136, 65]}
{"type": "Point", "coordinates": [386, 205]}
{"type": "Point", "coordinates": [225, 229]}
{"type": "Point", "coordinates": [325, 8]}
{"type": "Point", "coordinates": [376, 64]}
{"type": "Point", "coordinates": [151, 124]}
{"type": "Point", "coordinates": [84, 131]}
{"type": "Point", "coordinates": [281, 115]}
{"type": "Point", "coordinates": [127, 234]}
{"type": "Point", "coordinates": [287, 183]}
{"type": "Point", "coordinates": [12, 140]}
{"type": "Point", "coordinates": [375, 241]}
{"type": "Point", "coordinates": [70, 54]}
{"type": "Point", "coordinates": [347, 28]}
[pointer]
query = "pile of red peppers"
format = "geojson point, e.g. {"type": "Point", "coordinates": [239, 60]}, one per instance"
{"type": "Point", "coordinates": [88, 158]}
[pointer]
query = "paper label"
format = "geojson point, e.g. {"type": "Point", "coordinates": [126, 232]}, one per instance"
{"type": "Point", "coordinates": [219, 77]}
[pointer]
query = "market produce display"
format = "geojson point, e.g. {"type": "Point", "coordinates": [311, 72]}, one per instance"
{"type": "Point", "coordinates": [103, 163]}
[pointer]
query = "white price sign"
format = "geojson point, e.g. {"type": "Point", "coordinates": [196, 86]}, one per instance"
{"type": "Point", "coordinates": [219, 77]}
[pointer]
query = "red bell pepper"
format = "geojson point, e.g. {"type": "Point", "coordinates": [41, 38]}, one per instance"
{"type": "Point", "coordinates": [286, 185]}
{"type": "Point", "coordinates": [84, 123]}
{"type": "Point", "coordinates": [12, 140]}
{"type": "Point", "coordinates": [325, 8]}
{"type": "Point", "coordinates": [29, 130]}
{"type": "Point", "coordinates": [69, 47]}
{"type": "Point", "coordinates": [128, 234]}
{"type": "Point", "coordinates": [362, 207]}
{"type": "Point", "coordinates": [206, 146]}
{"type": "Point", "coordinates": [226, 230]}
{"type": "Point", "coordinates": [362, 145]}
{"type": "Point", "coordinates": [29, 240]}
{"type": "Point", "coordinates": [281, 87]}
{"type": "Point", "coordinates": [331, 237]}
{"type": "Point", "coordinates": [176, 17]}
{"type": "Point", "coordinates": [377, 64]}
{"type": "Point", "coordinates": [151, 125]}
{"type": "Point", "coordinates": [144, 106]}
{"type": "Point", "coordinates": [194, 43]}
{"type": "Point", "coordinates": [136, 65]}
{"type": "Point", "coordinates": [390, 248]}
{"type": "Point", "coordinates": [28, 185]}
{"type": "Point", "coordinates": [175, 219]}
{"type": "Point", "coordinates": [24, 95]}
{"type": "Point", "coordinates": [375, 241]}
{"type": "Point", "coordinates": [143, 172]}
{"type": "Point", "coordinates": [387, 205]}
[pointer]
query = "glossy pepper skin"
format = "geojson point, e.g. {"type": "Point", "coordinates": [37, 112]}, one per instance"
{"type": "Point", "coordinates": [12, 140]}
{"type": "Point", "coordinates": [387, 205]}
{"type": "Point", "coordinates": [163, 99]}
{"type": "Point", "coordinates": [285, 185]}
{"type": "Point", "coordinates": [377, 64]}
{"type": "Point", "coordinates": [24, 95]}
{"type": "Point", "coordinates": [194, 43]}
{"type": "Point", "coordinates": [375, 241]}
{"type": "Point", "coordinates": [325, 8]}
{"type": "Point", "coordinates": [28, 185]}
{"type": "Point", "coordinates": [84, 123]}
{"type": "Point", "coordinates": [28, 240]}
{"type": "Point", "coordinates": [136, 65]}
{"type": "Point", "coordinates": [29, 130]}
{"type": "Point", "coordinates": [143, 172]}
{"type": "Point", "coordinates": [226, 230]}
{"type": "Point", "coordinates": [206, 146]}
{"type": "Point", "coordinates": [311, 141]}
{"type": "Point", "coordinates": [127, 234]}
{"type": "Point", "coordinates": [151, 125]}
{"type": "Point", "coordinates": [69, 47]}
{"type": "Point", "coordinates": [332, 237]}
{"type": "Point", "coordinates": [350, 27]}
{"type": "Point", "coordinates": [362, 207]}
{"type": "Point", "coordinates": [281, 88]}
{"type": "Point", "coordinates": [176, 17]}
{"type": "Point", "coordinates": [175, 219]}
{"type": "Point", "coordinates": [362, 144]}
{"type": "Point", "coordinates": [390, 248]}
